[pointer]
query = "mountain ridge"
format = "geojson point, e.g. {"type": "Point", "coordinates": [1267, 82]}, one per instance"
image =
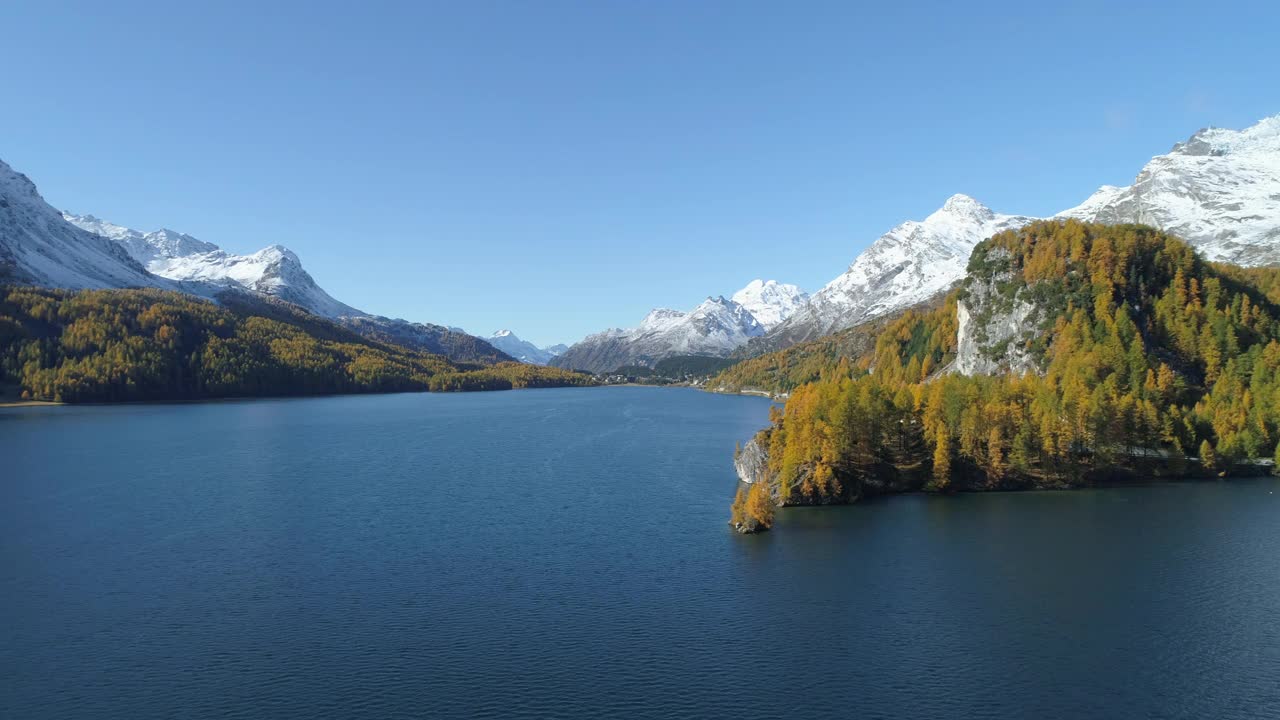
{"type": "Point", "coordinates": [523, 350]}
{"type": "Point", "coordinates": [907, 265]}
{"type": "Point", "coordinates": [715, 328]}
{"type": "Point", "coordinates": [42, 246]}
{"type": "Point", "coordinates": [1219, 190]}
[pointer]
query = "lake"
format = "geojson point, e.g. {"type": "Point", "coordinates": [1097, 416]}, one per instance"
{"type": "Point", "coordinates": [565, 553]}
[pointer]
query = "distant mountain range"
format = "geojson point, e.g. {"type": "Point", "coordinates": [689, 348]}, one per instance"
{"type": "Point", "coordinates": [41, 246]}
{"type": "Point", "coordinates": [715, 328]}
{"type": "Point", "coordinates": [524, 351]}
{"type": "Point", "coordinates": [1219, 191]}
{"type": "Point", "coordinates": [907, 265]}
{"type": "Point", "coordinates": [273, 270]}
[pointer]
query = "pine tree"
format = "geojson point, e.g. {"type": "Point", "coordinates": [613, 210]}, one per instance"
{"type": "Point", "coordinates": [1208, 458]}
{"type": "Point", "coordinates": [942, 460]}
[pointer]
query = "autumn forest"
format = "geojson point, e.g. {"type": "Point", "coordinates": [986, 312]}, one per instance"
{"type": "Point", "coordinates": [1142, 357]}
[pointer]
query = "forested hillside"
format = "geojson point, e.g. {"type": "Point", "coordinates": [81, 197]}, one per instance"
{"type": "Point", "coordinates": [118, 345]}
{"type": "Point", "coordinates": [1141, 355]}
{"type": "Point", "coordinates": [781, 371]}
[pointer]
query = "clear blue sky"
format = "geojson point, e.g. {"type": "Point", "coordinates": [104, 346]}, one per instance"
{"type": "Point", "coordinates": [561, 167]}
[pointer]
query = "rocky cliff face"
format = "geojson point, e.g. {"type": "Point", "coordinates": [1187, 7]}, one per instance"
{"type": "Point", "coordinates": [996, 324]}
{"type": "Point", "coordinates": [752, 463]}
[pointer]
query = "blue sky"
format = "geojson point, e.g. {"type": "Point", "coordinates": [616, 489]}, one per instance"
{"type": "Point", "coordinates": [561, 167]}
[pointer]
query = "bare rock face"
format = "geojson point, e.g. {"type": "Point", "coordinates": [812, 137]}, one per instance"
{"type": "Point", "coordinates": [995, 325]}
{"type": "Point", "coordinates": [752, 463]}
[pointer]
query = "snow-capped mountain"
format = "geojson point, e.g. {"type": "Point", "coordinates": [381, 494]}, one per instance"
{"type": "Point", "coordinates": [37, 246]}
{"type": "Point", "coordinates": [905, 266]}
{"type": "Point", "coordinates": [716, 327]}
{"type": "Point", "coordinates": [275, 270]}
{"type": "Point", "coordinates": [144, 247]}
{"type": "Point", "coordinates": [1219, 191]}
{"type": "Point", "coordinates": [770, 301]}
{"type": "Point", "coordinates": [43, 246]}
{"type": "Point", "coordinates": [523, 350]}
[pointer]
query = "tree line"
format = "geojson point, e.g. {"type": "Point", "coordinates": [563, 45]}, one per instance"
{"type": "Point", "coordinates": [123, 345]}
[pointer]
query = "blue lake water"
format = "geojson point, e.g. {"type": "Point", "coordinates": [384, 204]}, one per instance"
{"type": "Point", "coordinates": [565, 553]}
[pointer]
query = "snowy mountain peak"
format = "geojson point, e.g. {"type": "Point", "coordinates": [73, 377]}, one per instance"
{"type": "Point", "coordinates": [660, 317]}
{"type": "Point", "coordinates": [146, 248]}
{"type": "Point", "coordinates": [964, 206]}
{"type": "Point", "coordinates": [1263, 136]}
{"type": "Point", "coordinates": [960, 209]}
{"type": "Point", "coordinates": [38, 246]}
{"type": "Point", "coordinates": [278, 253]}
{"type": "Point", "coordinates": [770, 301]}
{"type": "Point", "coordinates": [274, 270]}
{"type": "Point", "coordinates": [716, 327]}
{"type": "Point", "coordinates": [523, 350]}
{"type": "Point", "coordinates": [16, 185]}
{"type": "Point", "coordinates": [1219, 190]}
{"type": "Point", "coordinates": [905, 266]}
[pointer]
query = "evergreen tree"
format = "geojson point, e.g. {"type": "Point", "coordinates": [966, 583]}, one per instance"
{"type": "Point", "coordinates": [1208, 458]}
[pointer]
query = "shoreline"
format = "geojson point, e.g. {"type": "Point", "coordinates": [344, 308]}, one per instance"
{"type": "Point", "coordinates": [29, 403]}
{"type": "Point", "coordinates": [775, 397]}
{"type": "Point", "coordinates": [1260, 474]}
{"type": "Point", "coordinates": [249, 398]}
{"type": "Point", "coordinates": [5, 404]}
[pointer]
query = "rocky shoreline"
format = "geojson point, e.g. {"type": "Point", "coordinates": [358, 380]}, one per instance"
{"type": "Point", "coordinates": [751, 463]}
